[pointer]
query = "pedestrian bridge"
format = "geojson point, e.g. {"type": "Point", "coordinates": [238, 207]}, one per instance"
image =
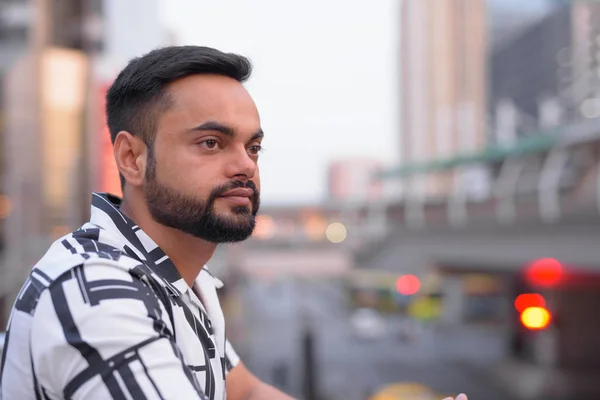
{"type": "Point", "coordinates": [544, 201]}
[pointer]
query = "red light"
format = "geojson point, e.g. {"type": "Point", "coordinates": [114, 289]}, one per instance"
{"type": "Point", "coordinates": [535, 318]}
{"type": "Point", "coordinates": [544, 272]}
{"type": "Point", "coordinates": [408, 285]}
{"type": "Point", "coordinates": [527, 300]}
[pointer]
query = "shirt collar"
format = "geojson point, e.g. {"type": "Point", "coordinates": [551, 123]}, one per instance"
{"type": "Point", "coordinates": [106, 214]}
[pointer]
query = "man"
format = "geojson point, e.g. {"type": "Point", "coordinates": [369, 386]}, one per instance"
{"type": "Point", "coordinates": [123, 308]}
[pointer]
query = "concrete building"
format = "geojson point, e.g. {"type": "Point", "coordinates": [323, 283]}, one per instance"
{"type": "Point", "coordinates": [546, 73]}
{"type": "Point", "coordinates": [508, 18]}
{"type": "Point", "coordinates": [13, 40]}
{"type": "Point", "coordinates": [57, 60]}
{"type": "Point", "coordinates": [443, 110]}
{"type": "Point", "coordinates": [45, 74]}
{"type": "Point", "coordinates": [525, 76]}
{"type": "Point", "coordinates": [582, 60]}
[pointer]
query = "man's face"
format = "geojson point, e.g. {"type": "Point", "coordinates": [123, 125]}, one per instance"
{"type": "Point", "coordinates": [202, 173]}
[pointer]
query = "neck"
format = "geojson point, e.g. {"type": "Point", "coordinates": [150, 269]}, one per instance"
{"type": "Point", "coordinates": [189, 254]}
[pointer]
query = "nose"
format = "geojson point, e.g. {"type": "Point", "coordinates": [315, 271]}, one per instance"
{"type": "Point", "coordinates": [241, 166]}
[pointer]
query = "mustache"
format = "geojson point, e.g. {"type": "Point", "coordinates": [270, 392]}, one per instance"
{"type": "Point", "coordinates": [222, 189]}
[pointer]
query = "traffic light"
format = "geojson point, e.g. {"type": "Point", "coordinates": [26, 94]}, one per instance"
{"type": "Point", "coordinates": [527, 300]}
{"type": "Point", "coordinates": [408, 285]}
{"type": "Point", "coordinates": [533, 312]}
{"type": "Point", "coordinates": [536, 318]}
{"type": "Point", "coordinates": [545, 272]}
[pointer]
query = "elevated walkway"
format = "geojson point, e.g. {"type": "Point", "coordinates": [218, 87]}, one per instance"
{"type": "Point", "coordinates": [544, 202]}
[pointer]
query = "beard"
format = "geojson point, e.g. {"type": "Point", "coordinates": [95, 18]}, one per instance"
{"type": "Point", "coordinates": [198, 217]}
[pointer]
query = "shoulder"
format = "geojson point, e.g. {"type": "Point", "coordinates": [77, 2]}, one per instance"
{"type": "Point", "coordinates": [66, 280]}
{"type": "Point", "coordinates": [101, 282]}
{"type": "Point", "coordinates": [88, 247]}
{"type": "Point", "coordinates": [81, 261]}
{"type": "Point", "coordinates": [97, 299]}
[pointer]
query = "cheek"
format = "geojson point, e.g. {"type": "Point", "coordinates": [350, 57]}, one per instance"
{"type": "Point", "coordinates": [184, 172]}
{"type": "Point", "coordinates": [195, 181]}
{"type": "Point", "coordinates": [169, 172]}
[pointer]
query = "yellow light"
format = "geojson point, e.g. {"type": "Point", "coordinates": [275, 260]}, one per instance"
{"type": "Point", "coordinates": [336, 232]}
{"type": "Point", "coordinates": [535, 318]}
{"type": "Point", "coordinates": [405, 391]}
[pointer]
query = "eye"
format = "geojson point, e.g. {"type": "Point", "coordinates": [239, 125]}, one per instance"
{"type": "Point", "coordinates": [209, 144]}
{"type": "Point", "coordinates": [255, 149]}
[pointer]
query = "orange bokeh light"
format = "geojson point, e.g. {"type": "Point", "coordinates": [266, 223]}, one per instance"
{"type": "Point", "coordinates": [527, 300]}
{"type": "Point", "coordinates": [408, 284]}
{"type": "Point", "coordinates": [265, 227]}
{"type": "Point", "coordinates": [315, 226]}
{"type": "Point", "coordinates": [5, 206]}
{"type": "Point", "coordinates": [535, 318]}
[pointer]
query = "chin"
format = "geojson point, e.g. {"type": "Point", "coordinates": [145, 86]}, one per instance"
{"type": "Point", "coordinates": [241, 211]}
{"type": "Point", "coordinates": [234, 211]}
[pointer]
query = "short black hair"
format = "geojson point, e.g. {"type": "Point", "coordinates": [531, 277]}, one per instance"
{"type": "Point", "coordinates": [137, 96]}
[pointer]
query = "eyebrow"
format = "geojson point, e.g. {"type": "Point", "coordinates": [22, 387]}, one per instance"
{"type": "Point", "coordinates": [258, 135]}
{"type": "Point", "coordinates": [225, 130]}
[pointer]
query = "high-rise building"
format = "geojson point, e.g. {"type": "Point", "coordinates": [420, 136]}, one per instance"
{"type": "Point", "coordinates": [46, 49]}
{"type": "Point", "coordinates": [13, 40]}
{"type": "Point", "coordinates": [525, 74]}
{"type": "Point", "coordinates": [546, 73]}
{"type": "Point", "coordinates": [56, 61]}
{"type": "Point", "coordinates": [443, 86]}
{"type": "Point", "coordinates": [509, 18]}
{"type": "Point", "coordinates": [582, 60]}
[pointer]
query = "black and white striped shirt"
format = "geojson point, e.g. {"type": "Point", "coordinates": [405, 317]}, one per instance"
{"type": "Point", "coordinates": [106, 315]}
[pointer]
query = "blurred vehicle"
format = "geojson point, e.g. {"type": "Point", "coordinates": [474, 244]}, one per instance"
{"type": "Point", "coordinates": [406, 391]}
{"type": "Point", "coordinates": [368, 324]}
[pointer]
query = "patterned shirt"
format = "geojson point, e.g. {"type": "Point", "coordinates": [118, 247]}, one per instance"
{"type": "Point", "coordinates": [105, 315]}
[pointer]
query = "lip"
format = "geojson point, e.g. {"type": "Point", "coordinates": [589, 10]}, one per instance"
{"type": "Point", "coordinates": [239, 201]}
{"type": "Point", "coordinates": [239, 192]}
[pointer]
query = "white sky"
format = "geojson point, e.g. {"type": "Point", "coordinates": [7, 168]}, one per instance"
{"type": "Point", "coordinates": [325, 80]}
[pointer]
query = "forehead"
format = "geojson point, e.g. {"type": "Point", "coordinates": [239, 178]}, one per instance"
{"type": "Point", "coordinates": [198, 98]}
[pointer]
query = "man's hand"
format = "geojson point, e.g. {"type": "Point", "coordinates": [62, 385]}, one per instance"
{"type": "Point", "coordinates": [459, 397]}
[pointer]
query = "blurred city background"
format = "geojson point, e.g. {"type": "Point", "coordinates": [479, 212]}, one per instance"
{"type": "Point", "coordinates": [431, 218]}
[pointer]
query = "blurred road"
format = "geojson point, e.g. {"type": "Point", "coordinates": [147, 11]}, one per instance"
{"type": "Point", "coordinates": [348, 368]}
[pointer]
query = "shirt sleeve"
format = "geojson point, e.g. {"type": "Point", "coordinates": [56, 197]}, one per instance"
{"type": "Point", "coordinates": [231, 357]}
{"type": "Point", "coordinates": [101, 333]}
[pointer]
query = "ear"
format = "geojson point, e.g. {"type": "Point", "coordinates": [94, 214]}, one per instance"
{"type": "Point", "coordinates": [130, 156]}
